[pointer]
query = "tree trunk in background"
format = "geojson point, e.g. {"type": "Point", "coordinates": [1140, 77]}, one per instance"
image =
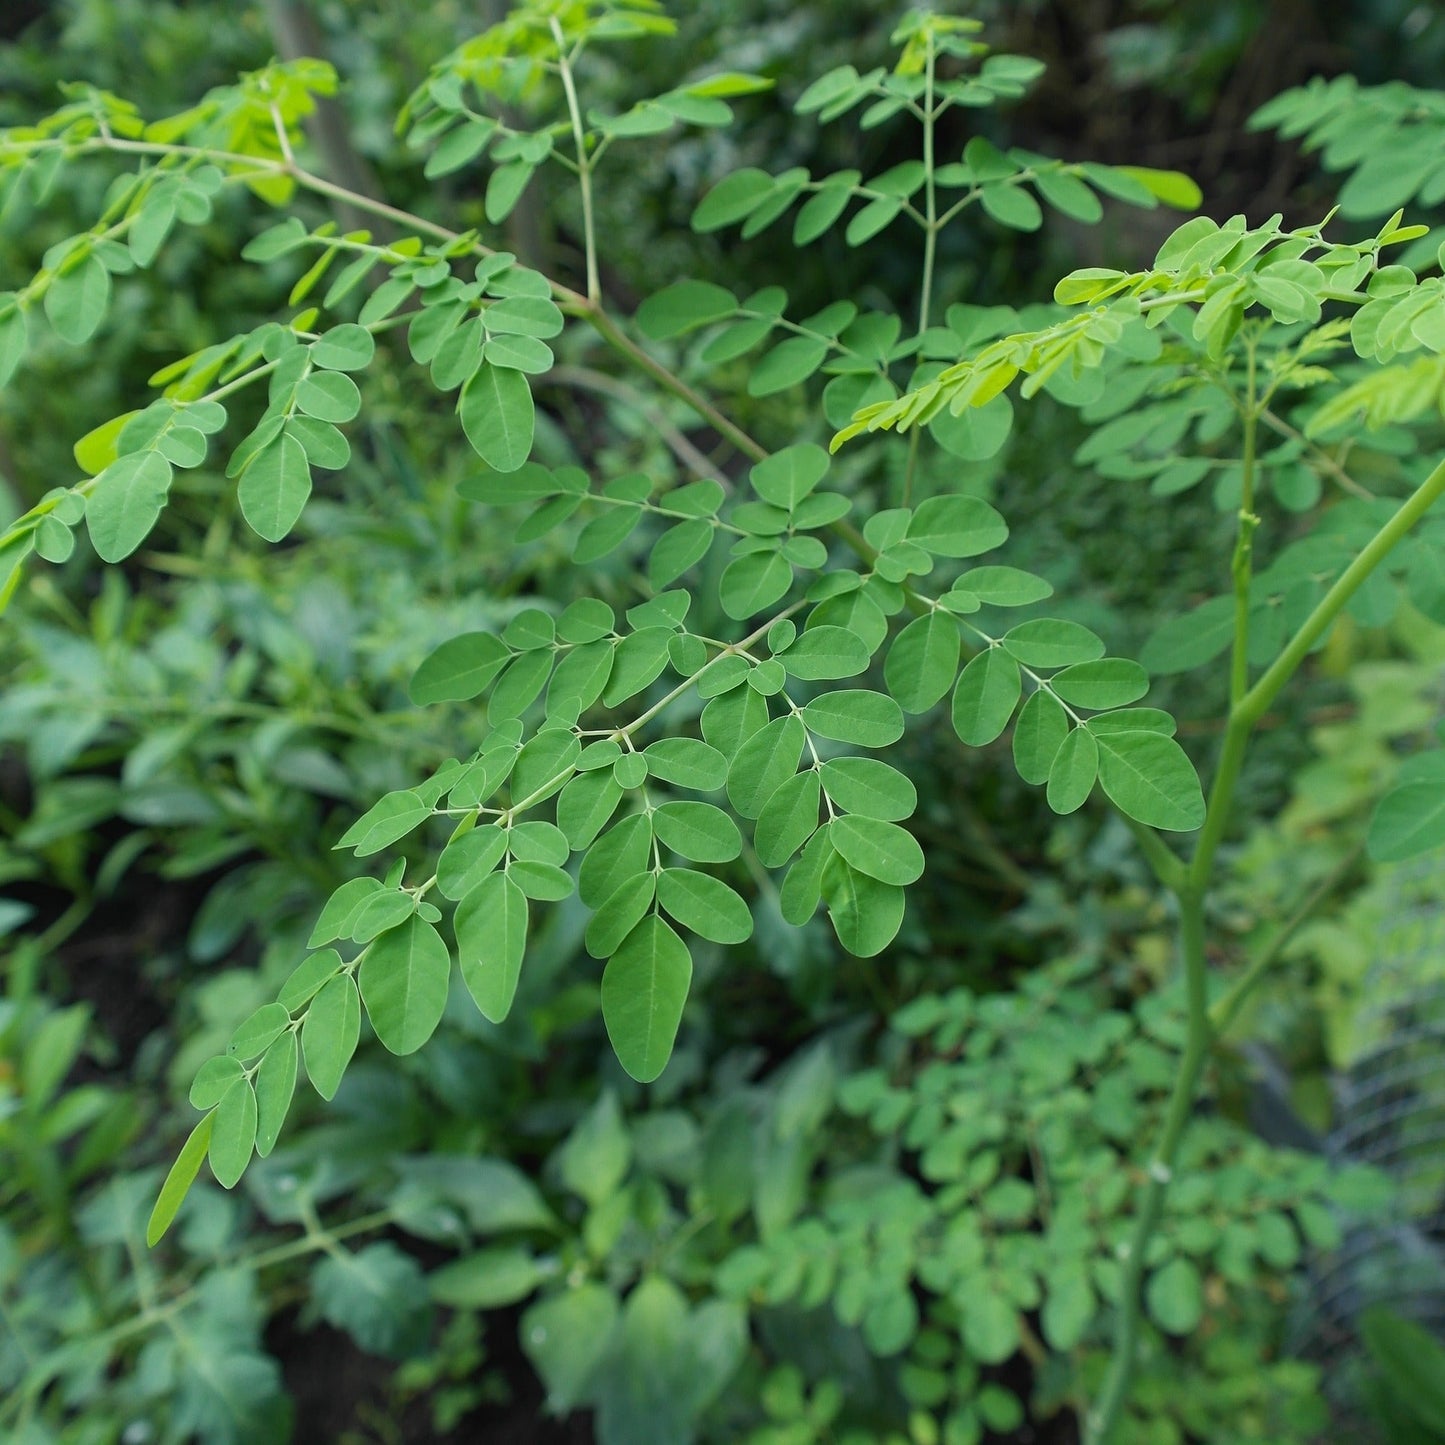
{"type": "Point", "coordinates": [296, 34]}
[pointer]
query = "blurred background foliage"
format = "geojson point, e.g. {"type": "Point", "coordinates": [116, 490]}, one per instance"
{"type": "Point", "coordinates": [503, 1237]}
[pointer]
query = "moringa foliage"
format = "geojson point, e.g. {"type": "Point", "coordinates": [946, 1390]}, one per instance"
{"type": "Point", "coordinates": [786, 617]}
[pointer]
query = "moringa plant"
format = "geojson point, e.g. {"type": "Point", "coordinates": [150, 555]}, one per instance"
{"type": "Point", "coordinates": [793, 596]}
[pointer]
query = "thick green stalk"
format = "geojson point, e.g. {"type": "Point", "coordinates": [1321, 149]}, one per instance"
{"type": "Point", "coordinates": [1245, 712]}
{"type": "Point", "coordinates": [1100, 1422]}
{"type": "Point", "coordinates": [1242, 565]}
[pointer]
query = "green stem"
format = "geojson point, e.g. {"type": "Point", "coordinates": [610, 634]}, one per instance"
{"type": "Point", "coordinates": [1202, 1026]}
{"type": "Point", "coordinates": [1100, 1422]}
{"type": "Point", "coordinates": [584, 164]}
{"type": "Point", "coordinates": [620, 341]}
{"type": "Point", "coordinates": [1256, 702]}
{"type": "Point", "coordinates": [1241, 567]}
{"type": "Point", "coordinates": [930, 229]}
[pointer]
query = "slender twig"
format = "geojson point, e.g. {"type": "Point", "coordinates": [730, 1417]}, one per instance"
{"type": "Point", "coordinates": [584, 163]}
{"type": "Point", "coordinates": [1322, 458]}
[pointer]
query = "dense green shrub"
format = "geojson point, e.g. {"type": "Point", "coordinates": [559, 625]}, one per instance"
{"type": "Point", "coordinates": [656, 700]}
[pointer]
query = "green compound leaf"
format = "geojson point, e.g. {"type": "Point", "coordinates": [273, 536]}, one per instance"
{"type": "Point", "coordinates": [733, 199]}
{"type": "Point", "coordinates": [789, 475]}
{"type": "Point", "coordinates": [988, 691]}
{"type": "Point", "coordinates": [678, 549]}
{"type": "Point", "coordinates": [753, 582]}
{"type": "Point", "coordinates": [537, 841]}
{"type": "Point", "coordinates": [644, 988]}
{"type": "Point", "coordinates": [858, 716]}
{"type": "Point", "coordinates": [1410, 818]}
{"type": "Point", "coordinates": [275, 485]}
{"type": "Point", "coordinates": [682, 307]}
{"type": "Point", "coordinates": [881, 850]}
{"type": "Point", "coordinates": [1068, 194]}
{"type": "Point", "coordinates": [347, 347]}
{"type": "Point", "coordinates": [544, 766]}
{"type": "Point", "coordinates": [1012, 206]}
{"type": "Point", "coordinates": [14, 338]}
{"type": "Point", "coordinates": [1068, 1307]}
{"type": "Point", "coordinates": [790, 362]}
{"type": "Point", "coordinates": [566, 1336]}
{"type": "Point", "coordinates": [824, 654]}
{"type": "Point", "coordinates": [699, 832]}
{"type": "Point", "coordinates": [393, 817]}
{"type": "Point", "coordinates": [640, 660]}
{"type": "Point", "coordinates": [498, 416]}
{"type": "Point", "coordinates": [76, 301]}
{"type": "Point", "coordinates": [519, 686]}
{"type": "Point", "coordinates": [1149, 778]}
{"type": "Point", "coordinates": [623, 910]}
{"type": "Point", "coordinates": [1004, 586]}
{"type": "Point", "coordinates": [335, 920]}
{"type": "Point", "coordinates": [1052, 642]}
{"type": "Point", "coordinates": [233, 1135]}
{"type": "Point", "coordinates": [1108, 683]}
{"type": "Point", "coordinates": [586, 620]}
{"type": "Point", "coordinates": [630, 772]}
{"type": "Point", "coordinates": [688, 763]}
{"type": "Point", "coordinates": [324, 444]}
{"type": "Point", "coordinates": [545, 882]}
{"type": "Point", "coordinates": [275, 1085]}
{"type": "Point", "coordinates": [504, 189]}
{"type": "Point", "coordinates": [704, 904]}
{"type": "Point", "coordinates": [730, 720]}
{"type": "Point", "coordinates": [491, 931]}
{"type": "Point", "coordinates": [1038, 735]}
{"type": "Point", "coordinates": [257, 1033]}
{"type": "Point", "coordinates": [789, 819]}
{"type": "Point", "coordinates": [328, 396]}
{"type": "Point", "coordinates": [622, 852]}
{"type": "Point", "coordinates": [866, 913]}
{"type": "Point", "coordinates": [990, 1325]}
{"type": "Point", "coordinates": [1184, 643]}
{"type": "Point", "coordinates": [1132, 719]}
{"type": "Point", "coordinates": [404, 978]}
{"type": "Point", "coordinates": [582, 677]}
{"type": "Point", "coordinates": [179, 1180]}
{"type": "Point", "coordinates": [1174, 1297]}
{"type": "Point", "coordinates": [1073, 772]}
{"type": "Point", "coordinates": [605, 533]}
{"type": "Point", "coordinates": [956, 527]}
{"type": "Point", "coordinates": [586, 806]}
{"type": "Point", "coordinates": [311, 973]}
{"type": "Point", "coordinates": [869, 787]}
{"type": "Point", "coordinates": [212, 1080]}
{"type": "Point", "coordinates": [124, 503]}
{"type": "Point", "coordinates": [460, 669]}
{"type": "Point", "coordinates": [923, 661]}
{"type": "Point", "coordinates": [329, 1035]}
{"type": "Point", "coordinates": [764, 763]}
{"type": "Point", "coordinates": [822, 209]}
{"type": "Point", "coordinates": [1411, 1363]}
{"type": "Point", "coordinates": [465, 861]}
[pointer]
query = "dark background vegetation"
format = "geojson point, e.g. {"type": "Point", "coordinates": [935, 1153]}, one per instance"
{"type": "Point", "coordinates": [182, 738]}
